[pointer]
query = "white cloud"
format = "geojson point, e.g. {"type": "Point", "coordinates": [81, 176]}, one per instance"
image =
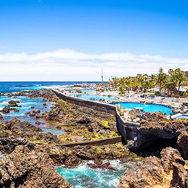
{"type": "Point", "coordinates": [64, 65]}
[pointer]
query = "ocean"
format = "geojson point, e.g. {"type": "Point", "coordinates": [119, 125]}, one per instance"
{"type": "Point", "coordinates": [9, 87]}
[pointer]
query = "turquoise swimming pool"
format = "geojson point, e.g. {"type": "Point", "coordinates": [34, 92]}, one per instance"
{"type": "Point", "coordinates": [89, 90]}
{"type": "Point", "coordinates": [146, 107]}
{"type": "Point", "coordinates": [93, 97]}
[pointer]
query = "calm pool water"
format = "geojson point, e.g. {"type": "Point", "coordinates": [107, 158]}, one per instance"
{"type": "Point", "coordinates": [95, 97]}
{"type": "Point", "coordinates": [89, 90]}
{"type": "Point", "coordinates": [85, 177]}
{"type": "Point", "coordinates": [146, 107]}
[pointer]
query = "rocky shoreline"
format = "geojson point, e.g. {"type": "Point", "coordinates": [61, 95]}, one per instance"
{"type": "Point", "coordinates": [79, 123]}
{"type": "Point", "coordinates": [23, 142]}
{"type": "Point", "coordinates": [30, 168]}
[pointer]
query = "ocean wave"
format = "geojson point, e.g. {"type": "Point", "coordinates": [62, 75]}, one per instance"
{"type": "Point", "coordinates": [51, 87]}
{"type": "Point", "coordinates": [4, 103]}
{"type": "Point", "coordinates": [99, 177]}
{"type": "Point", "coordinates": [21, 85]}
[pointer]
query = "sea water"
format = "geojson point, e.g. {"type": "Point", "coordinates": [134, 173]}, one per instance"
{"type": "Point", "coordinates": [86, 177]}
{"type": "Point", "coordinates": [1, 156]}
{"type": "Point", "coordinates": [9, 87]}
{"type": "Point", "coordinates": [26, 104]}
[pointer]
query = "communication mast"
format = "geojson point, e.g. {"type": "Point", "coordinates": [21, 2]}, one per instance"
{"type": "Point", "coordinates": [102, 78]}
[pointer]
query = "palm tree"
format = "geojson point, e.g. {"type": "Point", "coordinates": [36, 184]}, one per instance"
{"type": "Point", "coordinates": [161, 79]}
{"type": "Point", "coordinates": [114, 82]}
{"type": "Point", "coordinates": [177, 77]}
{"type": "Point", "coordinates": [140, 81]}
{"type": "Point", "coordinates": [180, 77]}
{"type": "Point", "coordinates": [129, 83]}
{"type": "Point", "coordinates": [153, 80]}
{"type": "Point", "coordinates": [122, 85]}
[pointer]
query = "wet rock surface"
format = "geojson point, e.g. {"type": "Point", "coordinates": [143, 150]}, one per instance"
{"type": "Point", "coordinates": [6, 110]}
{"type": "Point", "coordinates": [30, 168]}
{"type": "Point", "coordinates": [27, 130]}
{"type": "Point", "coordinates": [13, 103]}
{"type": "Point", "coordinates": [44, 93]}
{"type": "Point", "coordinates": [1, 117]}
{"type": "Point", "coordinates": [100, 164]}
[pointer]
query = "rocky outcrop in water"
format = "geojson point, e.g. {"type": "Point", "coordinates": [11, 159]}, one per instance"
{"type": "Point", "coordinates": [1, 117]}
{"type": "Point", "coordinates": [25, 168]}
{"type": "Point", "coordinates": [44, 93]}
{"type": "Point", "coordinates": [101, 164]}
{"type": "Point", "coordinates": [169, 172]}
{"type": "Point", "coordinates": [6, 110]}
{"type": "Point", "coordinates": [13, 103]}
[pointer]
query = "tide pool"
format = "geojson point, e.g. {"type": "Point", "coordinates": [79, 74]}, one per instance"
{"type": "Point", "coordinates": [84, 177]}
{"type": "Point", "coordinates": [146, 107]}
{"type": "Point", "coordinates": [26, 104]}
{"type": "Point", "coordinates": [52, 130]}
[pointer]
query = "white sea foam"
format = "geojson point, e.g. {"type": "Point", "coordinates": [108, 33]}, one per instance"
{"type": "Point", "coordinates": [4, 103]}
{"type": "Point", "coordinates": [51, 87]}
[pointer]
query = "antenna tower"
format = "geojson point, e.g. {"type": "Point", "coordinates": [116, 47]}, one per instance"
{"type": "Point", "coordinates": [102, 77]}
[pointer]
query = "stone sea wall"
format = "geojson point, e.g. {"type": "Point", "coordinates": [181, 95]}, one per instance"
{"type": "Point", "coordinates": [99, 107]}
{"type": "Point", "coordinates": [100, 142]}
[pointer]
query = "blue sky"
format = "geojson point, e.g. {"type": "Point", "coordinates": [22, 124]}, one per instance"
{"type": "Point", "coordinates": [140, 27]}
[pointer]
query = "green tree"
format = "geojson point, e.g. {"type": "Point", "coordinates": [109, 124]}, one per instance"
{"type": "Point", "coordinates": [161, 79]}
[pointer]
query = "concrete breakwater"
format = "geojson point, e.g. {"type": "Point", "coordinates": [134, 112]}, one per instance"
{"type": "Point", "coordinates": [100, 142]}
{"type": "Point", "coordinates": [120, 124]}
